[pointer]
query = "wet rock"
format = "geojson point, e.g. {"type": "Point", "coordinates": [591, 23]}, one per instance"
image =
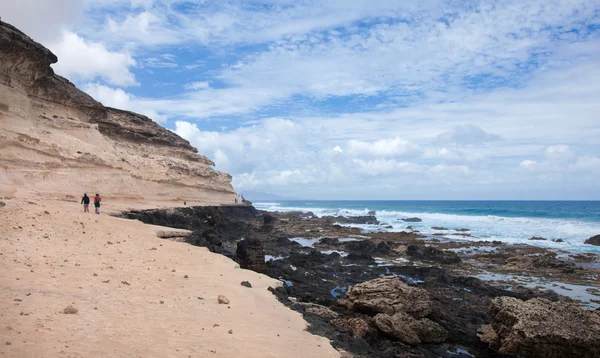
{"type": "Point", "coordinates": [594, 240]}
{"type": "Point", "coordinates": [361, 257]}
{"type": "Point", "coordinates": [223, 300]}
{"type": "Point", "coordinates": [462, 229]}
{"type": "Point", "coordinates": [538, 238]}
{"type": "Point", "coordinates": [412, 220]}
{"type": "Point", "coordinates": [429, 253]}
{"type": "Point", "coordinates": [268, 222]}
{"type": "Point", "coordinates": [366, 219]}
{"type": "Point", "coordinates": [356, 326]}
{"type": "Point", "coordinates": [389, 294]}
{"type": "Point", "coordinates": [383, 248]}
{"type": "Point", "coordinates": [558, 240]}
{"type": "Point", "coordinates": [540, 328]}
{"type": "Point", "coordinates": [250, 254]}
{"type": "Point", "coordinates": [439, 228]}
{"type": "Point", "coordinates": [246, 284]}
{"type": "Point", "coordinates": [329, 241]}
{"type": "Point", "coordinates": [363, 246]}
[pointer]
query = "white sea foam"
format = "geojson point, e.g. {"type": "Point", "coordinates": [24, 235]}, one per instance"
{"type": "Point", "coordinates": [512, 230]}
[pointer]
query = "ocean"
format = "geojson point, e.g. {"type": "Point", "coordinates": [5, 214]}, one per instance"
{"type": "Point", "coordinates": [508, 221]}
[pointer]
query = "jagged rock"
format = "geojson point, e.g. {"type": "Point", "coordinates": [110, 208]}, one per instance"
{"type": "Point", "coordinates": [319, 310]}
{"type": "Point", "coordinates": [268, 222]}
{"type": "Point", "coordinates": [207, 238]}
{"type": "Point", "coordinates": [538, 238]}
{"type": "Point", "coordinates": [362, 246]}
{"type": "Point", "coordinates": [357, 326]}
{"type": "Point", "coordinates": [383, 248]}
{"type": "Point", "coordinates": [429, 253]}
{"type": "Point", "coordinates": [250, 254]}
{"type": "Point", "coordinates": [487, 335]}
{"type": "Point", "coordinates": [541, 328]}
{"type": "Point", "coordinates": [366, 219]}
{"type": "Point", "coordinates": [412, 220]}
{"type": "Point", "coordinates": [407, 329]}
{"type": "Point", "coordinates": [594, 240]}
{"type": "Point", "coordinates": [389, 294]}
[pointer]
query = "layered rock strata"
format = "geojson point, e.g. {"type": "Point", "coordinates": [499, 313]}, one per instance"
{"type": "Point", "coordinates": [56, 141]}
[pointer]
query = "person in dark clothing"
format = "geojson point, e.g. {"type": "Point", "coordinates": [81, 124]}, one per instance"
{"type": "Point", "coordinates": [97, 200]}
{"type": "Point", "coordinates": [86, 203]}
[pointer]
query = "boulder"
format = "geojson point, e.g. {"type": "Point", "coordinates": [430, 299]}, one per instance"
{"type": "Point", "coordinates": [362, 246]}
{"type": "Point", "coordinates": [412, 220]}
{"type": "Point", "coordinates": [594, 240]}
{"type": "Point", "coordinates": [428, 253]}
{"type": "Point", "coordinates": [268, 222]}
{"type": "Point", "coordinates": [389, 294]}
{"type": "Point", "coordinates": [357, 326]}
{"type": "Point", "coordinates": [538, 238]}
{"type": "Point", "coordinates": [405, 328]}
{"type": "Point", "coordinates": [541, 328]}
{"type": "Point", "coordinates": [250, 254]}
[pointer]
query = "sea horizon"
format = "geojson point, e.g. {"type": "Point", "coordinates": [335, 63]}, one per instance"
{"type": "Point", "coordinates": [568, 222]}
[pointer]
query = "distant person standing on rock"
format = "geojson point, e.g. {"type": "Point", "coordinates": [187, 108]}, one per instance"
{"type": "Point", "coordinates": [97, 200]}
{"type": "Point", "coordinates": [86, 203]}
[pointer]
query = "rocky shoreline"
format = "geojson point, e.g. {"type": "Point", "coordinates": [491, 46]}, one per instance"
{"type": "Point", "coordinates": [403, 294]}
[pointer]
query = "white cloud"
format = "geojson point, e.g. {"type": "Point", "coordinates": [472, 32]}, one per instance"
{"type": "Point", "coordinates": [83, 60]}
{"type": "Point", "coordinates": [117, 98]}
{"type": "Point", "coordinates": [467, 134]}
{"type": "Point", "coordinates": [197, 85]}
{"type": "Point", "coordinates": [42, 20]}
{"type": "Point", "coordinates": [381, 148]}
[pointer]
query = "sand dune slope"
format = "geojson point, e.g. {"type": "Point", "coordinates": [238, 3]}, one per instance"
{"type": "Point", "coordinates": [131, 292]}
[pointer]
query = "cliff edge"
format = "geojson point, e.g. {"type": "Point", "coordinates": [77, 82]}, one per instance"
{"type": "Point", "coordinates": [57, 141]}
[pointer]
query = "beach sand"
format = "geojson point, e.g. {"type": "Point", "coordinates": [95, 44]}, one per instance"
{"type": "Point", "coordinates": [137, 295]}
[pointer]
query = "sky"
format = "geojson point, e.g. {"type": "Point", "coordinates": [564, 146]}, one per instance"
{"type": "Point", "coordinates": [352, 99]}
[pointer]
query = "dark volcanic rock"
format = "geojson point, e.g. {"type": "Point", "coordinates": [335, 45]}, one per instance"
{"type": "Point", "coordinates": [366, 219]}
{"type": "Point", "coordinates": [540, 328]}
{"type": "Point", "coordinates": [362, 246]}
{"type": "Point", "coordinates": [428, 253]}
{"type": "Point", "coordinates": [439, 228]}
{"type": "Point", "coordinates": [268, 222]}
{"type": "Point", "coordinates": [594, 240]}
{"type": "Point", "coordinates": [412, 220]}
{"type": "Point", "coordinates": [538, 238]}
{"type": "Point", "coordinates": [207, 238]}
{"type": "Point", "coordinates": [250, 255]}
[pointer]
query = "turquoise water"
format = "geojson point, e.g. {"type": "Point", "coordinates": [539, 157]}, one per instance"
{"type": "Point", "coordinates": [508, 221]}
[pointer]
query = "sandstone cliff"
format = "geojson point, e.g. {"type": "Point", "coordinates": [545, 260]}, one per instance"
{"type": "Point", "coordinates": [57, 141]}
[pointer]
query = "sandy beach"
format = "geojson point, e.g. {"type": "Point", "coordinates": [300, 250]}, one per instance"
{"type": "Point", "coordinates": [136, 295]}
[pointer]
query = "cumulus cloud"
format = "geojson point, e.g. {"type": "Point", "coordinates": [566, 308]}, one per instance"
{"type": "Point", "coordinates": [117, 98]}
{"type": "Point", "coordinates": [381, 148]}
{"type": "Point", "coordinates": [84, 60]}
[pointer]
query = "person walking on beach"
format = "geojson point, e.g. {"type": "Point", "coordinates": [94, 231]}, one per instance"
{"type": "Point", "coordinates": [86, 203]}
{"type": "Point", "coordinates": [97, 200]}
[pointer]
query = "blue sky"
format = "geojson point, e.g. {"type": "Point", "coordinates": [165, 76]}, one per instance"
{"type": "Point", "coordinates": [353, 99]}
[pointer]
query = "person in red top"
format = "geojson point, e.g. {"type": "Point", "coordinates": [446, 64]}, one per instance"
{"type": "Point", "coordinates": [97, 200]}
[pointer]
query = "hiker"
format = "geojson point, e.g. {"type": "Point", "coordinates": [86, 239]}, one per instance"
{"type": "Point", "coordinates": [97, 200]}
{"type": "Point", "coordinates": [86, 203]}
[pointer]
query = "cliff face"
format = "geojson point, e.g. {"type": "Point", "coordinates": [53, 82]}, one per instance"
{"type": "Point", "coordinates": [57, 141]}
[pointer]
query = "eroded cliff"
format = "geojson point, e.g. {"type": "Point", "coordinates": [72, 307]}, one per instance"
{"type": "Point", "coordinates": [57, 141]}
